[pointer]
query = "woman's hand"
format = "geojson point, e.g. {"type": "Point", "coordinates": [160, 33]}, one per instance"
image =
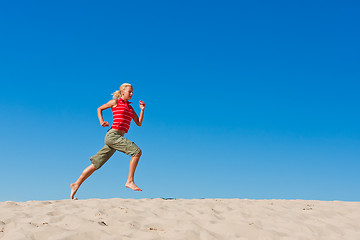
{"type": "Point", "coordinates": [110, 104]}
{"type": "Point", "coordinates": [104, 124]}
{"type": "Point", "coordinates": [142, 105]}
{"type": "Point", "coordinates": [139, 120]}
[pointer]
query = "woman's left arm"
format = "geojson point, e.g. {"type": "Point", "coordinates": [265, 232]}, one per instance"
{"type": "Point", "coordinates": [139, 120]}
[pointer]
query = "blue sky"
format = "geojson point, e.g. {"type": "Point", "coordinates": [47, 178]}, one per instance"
{"type": "Point", "coordinates": [244, 99]}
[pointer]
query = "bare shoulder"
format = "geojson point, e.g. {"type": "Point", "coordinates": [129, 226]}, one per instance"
{"type": "Point", "coordinates": [110, 104]}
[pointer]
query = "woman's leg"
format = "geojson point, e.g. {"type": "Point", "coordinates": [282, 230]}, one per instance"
{"type": "Point", "coordinates": [132, 167]}
{"type": "Point", "coordinates": [97, 161]}
{"type": "Point", "coordinates": [85, 174]}
{"type": "Point", "coordinates": [116, 141]}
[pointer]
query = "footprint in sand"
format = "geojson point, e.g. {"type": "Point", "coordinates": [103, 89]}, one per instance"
{"type": "Point", "coordinates": [309, 207]}
{"type": "Point", "coordinates": [1, 226]}
{"type": "Point", "coordinates": [102, 223]}
{"type": "Point", "coordinates": [155, 229]}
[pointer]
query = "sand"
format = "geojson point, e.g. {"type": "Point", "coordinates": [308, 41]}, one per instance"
{"type": "Point", "coordinates": [179, 219]}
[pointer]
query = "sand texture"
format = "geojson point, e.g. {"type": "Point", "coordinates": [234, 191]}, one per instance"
{"type": "Point", "coordinates": [179, 219]}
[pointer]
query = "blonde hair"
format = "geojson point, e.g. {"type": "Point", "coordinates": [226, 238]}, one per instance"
{"type": "Point", "coordinates": [117, 94]}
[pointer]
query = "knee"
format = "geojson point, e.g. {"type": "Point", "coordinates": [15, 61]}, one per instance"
{"type": "Point", "coordinates": [139, 154]}
{"type": "Point", "coordinates": [93, 168]}
{"type": "Point", "coordinates": [89, 170]}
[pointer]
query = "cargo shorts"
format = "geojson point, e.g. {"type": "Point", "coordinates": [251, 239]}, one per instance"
{"type": "Point", "coordinates": [114, 141]}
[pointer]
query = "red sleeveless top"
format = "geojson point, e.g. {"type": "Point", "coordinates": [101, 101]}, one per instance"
{"type": "Point", "coordinates": [122, 115]}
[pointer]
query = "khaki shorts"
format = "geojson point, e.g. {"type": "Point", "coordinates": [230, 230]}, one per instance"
{"type": "Point", "coordinates": [114, 141]}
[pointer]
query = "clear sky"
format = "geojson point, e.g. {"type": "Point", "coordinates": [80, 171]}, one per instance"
{"type": "Point", "coordinates": [244, 99]}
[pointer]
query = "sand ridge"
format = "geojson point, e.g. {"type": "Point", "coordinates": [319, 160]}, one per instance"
{"type": "Point", "coordinates": [179, 219]}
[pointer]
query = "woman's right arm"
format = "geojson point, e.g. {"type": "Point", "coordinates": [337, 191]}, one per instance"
{"type": "Point", "coordinates": [110, 104]}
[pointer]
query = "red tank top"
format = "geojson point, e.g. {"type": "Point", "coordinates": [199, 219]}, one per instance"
{"type": "Point", "coordinates": [122, 115]}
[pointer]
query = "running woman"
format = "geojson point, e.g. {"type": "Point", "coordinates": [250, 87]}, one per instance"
{"type": "Point", "coordinates": [123, 112]}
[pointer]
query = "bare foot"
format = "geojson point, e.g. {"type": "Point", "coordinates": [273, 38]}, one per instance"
{"type": "Point", "coordinates": [74, 187]}
{"type": "Point", "coordinates": [132, 186]}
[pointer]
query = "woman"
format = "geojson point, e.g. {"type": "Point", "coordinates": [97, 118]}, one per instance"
{"type": "Point", "coordinates": [114, 139]}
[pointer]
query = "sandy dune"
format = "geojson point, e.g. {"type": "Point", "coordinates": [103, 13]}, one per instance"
{"type": "Point", "coordinates": [179, 219]}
